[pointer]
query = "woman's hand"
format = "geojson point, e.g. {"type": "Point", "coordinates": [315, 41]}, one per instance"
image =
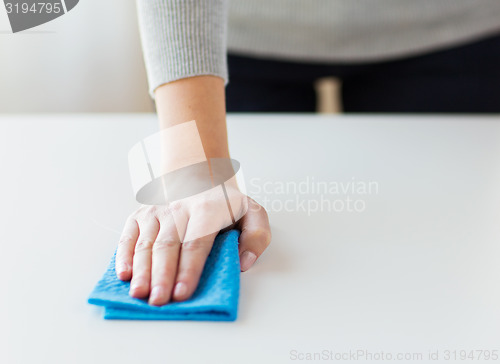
{"type": "Point", "coordinates": [150, 252]}
{"type": "Point", "coordinates": [151, 255]}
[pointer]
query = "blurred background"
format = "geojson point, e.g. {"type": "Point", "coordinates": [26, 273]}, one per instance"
{"type": "Point", "coordinates": [86, 61]}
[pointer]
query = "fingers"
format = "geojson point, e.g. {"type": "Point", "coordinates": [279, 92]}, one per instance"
{"type": "Point", "coordinates": [125, 250]}
{"type": "Point", "coordinates": [141, 278]}
{"type": "Point", "coordinates": [166, 251]}
{"type": "Point", "coordinates": [255, 234]}
{"type": "Point", "coordinates": [154, 254]}
{"type": "Point", "coordinates": [192, 260]}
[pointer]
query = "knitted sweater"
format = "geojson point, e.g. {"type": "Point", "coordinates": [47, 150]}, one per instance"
{"type": "Point", "coordinates": [184, 38]}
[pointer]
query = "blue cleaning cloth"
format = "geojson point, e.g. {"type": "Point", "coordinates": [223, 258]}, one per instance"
{"type": "Point", "coordinates": [215, 299]}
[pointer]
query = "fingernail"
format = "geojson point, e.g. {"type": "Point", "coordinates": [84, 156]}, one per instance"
{"type": "Point", "coordinates": [180, 290]}
{"type": "Point", "coordinates": [132, 290]}
{"type": "Point", "coordinates": [246, 260]}
{"type": "Point", "coordinates": [156, 294]}
{"type": "Point", "coordinates": [123, 267]}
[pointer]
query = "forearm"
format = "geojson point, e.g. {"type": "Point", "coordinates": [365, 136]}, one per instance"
{"type": "Point", "coordinates": [199, 98]}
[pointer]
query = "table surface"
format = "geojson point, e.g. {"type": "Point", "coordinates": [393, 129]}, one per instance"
{"type": "Point", "coordinates": [407, 265]}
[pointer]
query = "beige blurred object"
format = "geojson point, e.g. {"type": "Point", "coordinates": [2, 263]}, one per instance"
{"type": "Point", "coordinates": [88, 60]}
{"type": "Point", "coordinates": [328, 95]}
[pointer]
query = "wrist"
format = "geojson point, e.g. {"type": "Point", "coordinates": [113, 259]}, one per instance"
{"type": "Point", "coordinates": [199, 98]}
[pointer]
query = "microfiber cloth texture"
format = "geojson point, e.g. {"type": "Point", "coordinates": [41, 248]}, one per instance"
{"type": "Point", "coordinates": [215, 299]}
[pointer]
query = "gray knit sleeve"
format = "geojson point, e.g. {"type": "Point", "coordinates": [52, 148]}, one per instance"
{"type": "Point", "coordinates": [183, 38]}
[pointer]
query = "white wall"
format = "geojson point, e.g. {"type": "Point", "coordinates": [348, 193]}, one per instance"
{"type": "Point", "coordinates": [88, 60]}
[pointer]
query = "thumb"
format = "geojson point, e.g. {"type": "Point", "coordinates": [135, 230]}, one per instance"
{"type": "Point", "coordinates": [255, 234]}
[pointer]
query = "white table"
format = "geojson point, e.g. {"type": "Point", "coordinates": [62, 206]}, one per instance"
{"type": "Point", "coordinates": [417, 271]}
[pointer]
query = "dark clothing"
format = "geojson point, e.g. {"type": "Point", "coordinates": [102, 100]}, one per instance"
{"type": "Point", "coordinates": [464, 79]}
